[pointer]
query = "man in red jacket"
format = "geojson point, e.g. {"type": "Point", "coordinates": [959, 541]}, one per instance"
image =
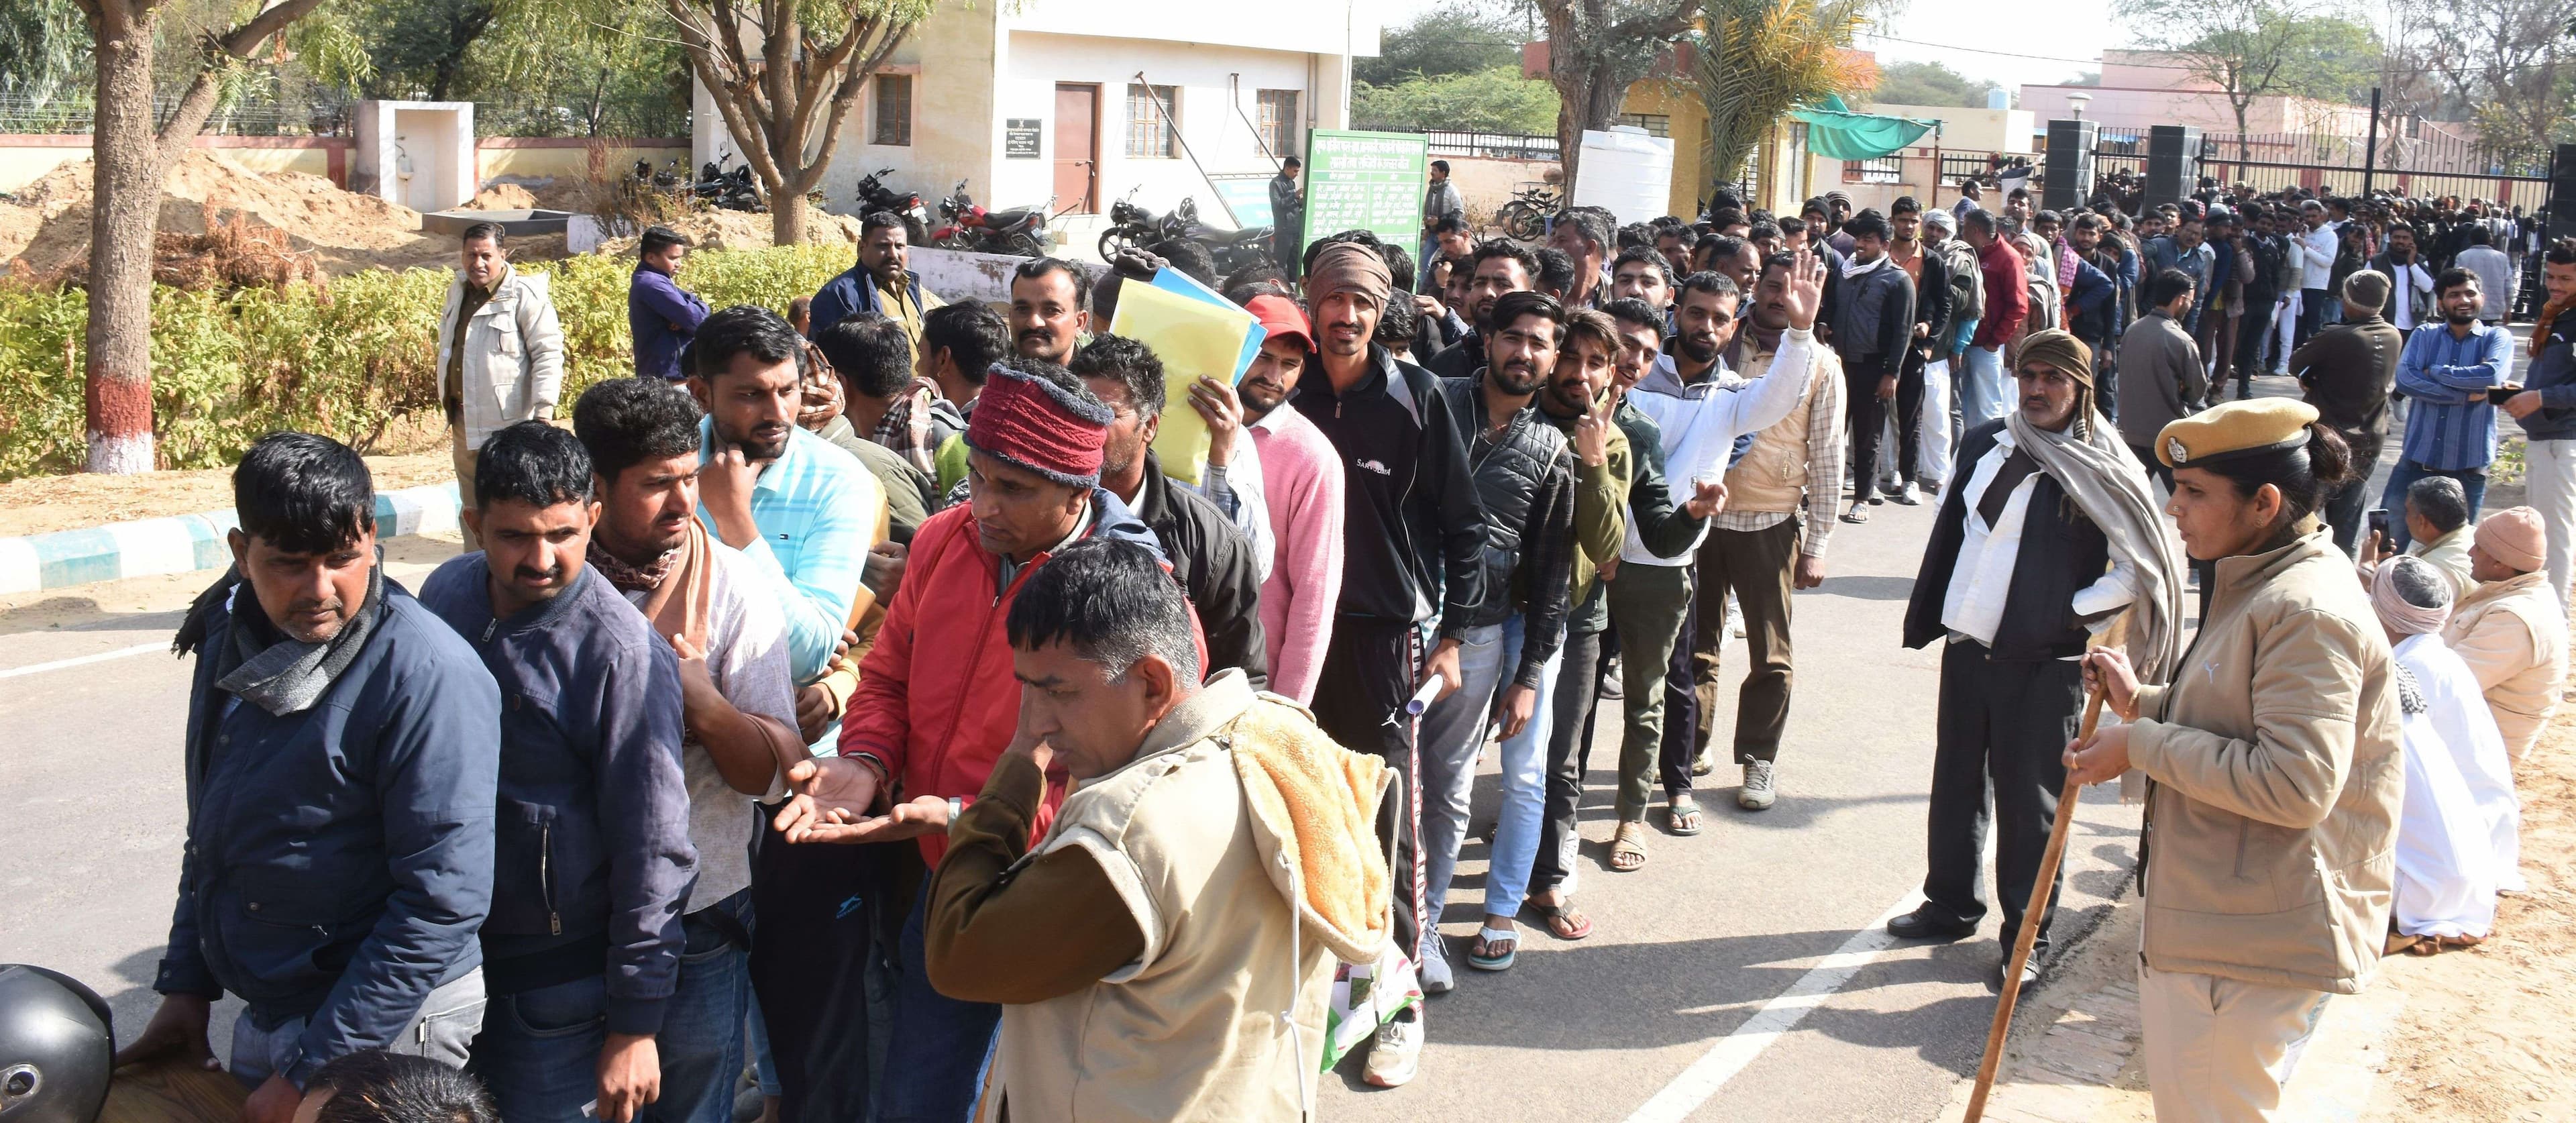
{"type": "Point", "coordinates": [1983, 395]}
{"type": "Point", "coordinates": [937, 703]}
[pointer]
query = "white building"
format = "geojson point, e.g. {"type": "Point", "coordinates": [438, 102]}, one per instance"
{"type": "Point", "coordinates": [1058, 98]}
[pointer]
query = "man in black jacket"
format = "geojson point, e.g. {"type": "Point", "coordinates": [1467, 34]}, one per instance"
{"type": "Point", "coordinates": [1212, 560]}
{"type": "Point", "coordinates": [1930, 273]}
{"type": "Point", "coordinates": [2012, 577]}
{"type": "Point", "coordinates": [1413, 532]}
{"type": "Point", "coordinates": [582, 951]}
{"type": "Point", "coordinates": [1873, 330]}
{"type": "Point", "coordinates": [1525, 482]}
{"type": "Point", "coordinates": [1287, 216]}
{"type": "Point", "coordinates": [1499, 266]}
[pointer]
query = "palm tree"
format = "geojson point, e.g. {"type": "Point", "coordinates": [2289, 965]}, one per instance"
{"type": "Point", "coordinates": [1758, 59]}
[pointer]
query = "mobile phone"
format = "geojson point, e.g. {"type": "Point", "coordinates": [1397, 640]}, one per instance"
{"type": "Point", "coordinates": [2379, 521]}
{"type": "Point", "coordinates": [2497, 395]}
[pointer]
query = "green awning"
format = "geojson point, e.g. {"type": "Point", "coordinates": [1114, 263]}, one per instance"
{"type": "Point", "coordinates": [1836, 133]}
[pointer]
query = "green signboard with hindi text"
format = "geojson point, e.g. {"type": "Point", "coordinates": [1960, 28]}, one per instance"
{"type": "Point", "coordinates": [1366, 181]}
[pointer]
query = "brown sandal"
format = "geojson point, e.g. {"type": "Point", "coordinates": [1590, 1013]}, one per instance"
{"type": "Point", "coordinates": [1628, 848]}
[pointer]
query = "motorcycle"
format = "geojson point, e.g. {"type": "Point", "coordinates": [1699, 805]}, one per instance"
{"type": "Point", "coordinates": [874, 196]}
{"type": "Point", "coordinates": [1525, 216]}
{"type": "Point", "coordinates": [731, 189]}
{"type": "Point", "coordinates": [965, 225]}
{"type": "Point", "coordinates": [1135, 228]}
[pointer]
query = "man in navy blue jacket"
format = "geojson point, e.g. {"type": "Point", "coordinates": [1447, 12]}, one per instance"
{"type": "Point", "coordinates": [593, 862]}
{"type": "Point", "coordinates": [878, 283]}
{"type": "Point", "coordinates": [662, 315]}
{"type": "Point", "coordinates": [341, 748]}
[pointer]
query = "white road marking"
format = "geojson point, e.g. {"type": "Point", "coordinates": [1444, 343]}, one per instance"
{"type": "Point", "coordinates": [82, 660]}
{"type": "Point", "coordinates": [1730, 1054]}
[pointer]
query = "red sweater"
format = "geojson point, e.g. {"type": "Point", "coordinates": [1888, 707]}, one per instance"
{"type": "Point", "coordinates": [937, 702]}
{"type": "Point", "coordinates": [2007, 295]}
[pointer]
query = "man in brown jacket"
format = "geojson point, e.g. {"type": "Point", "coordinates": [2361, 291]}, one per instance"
{"type": "Point", "coordinates": [1166, 950]}
{"type": "Point", "coordinates": [2346, 371]}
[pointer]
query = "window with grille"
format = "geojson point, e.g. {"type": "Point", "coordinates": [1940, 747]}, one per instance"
{"type": "Point", "coordinates": [1279, 121]}
{"type": "Point", "coordinates": [1885, 170]}
{"type": "Point", "coordinates": [1655, 124]}
{"type": "Point", "coordinates": [1149, 131]}
{"type": "Point", "coordinates": [894, 109]}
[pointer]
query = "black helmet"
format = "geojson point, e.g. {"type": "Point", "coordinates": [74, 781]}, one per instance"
{"type": "Point", "coordinates": [56, 1047]}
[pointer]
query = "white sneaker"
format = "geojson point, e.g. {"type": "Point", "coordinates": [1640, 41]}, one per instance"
{"type": "Point", "coordinates": [1904, 495]}
{"type": "Point", "coordinates": [1397, 1054]}
{"type": "Point", "coordinates": [1434, 967]}
{"type": "Point", "coordinates": [1757, 793]}
{"type": "Point", "coordinates": [1734, 619]}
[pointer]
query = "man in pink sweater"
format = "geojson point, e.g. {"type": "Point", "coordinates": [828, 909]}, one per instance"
{"type": "Point", "coordinates": [1305, 485]}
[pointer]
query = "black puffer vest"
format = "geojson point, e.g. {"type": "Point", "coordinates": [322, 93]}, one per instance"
{"type": "Point", "coordinates": [1509, 471]}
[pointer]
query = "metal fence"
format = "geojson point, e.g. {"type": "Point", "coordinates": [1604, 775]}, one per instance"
{"type": "Point", "coordinates": [1490, 146]}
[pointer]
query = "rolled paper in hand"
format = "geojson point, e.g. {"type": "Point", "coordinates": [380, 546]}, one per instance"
{"type": "Point", "coordinates": [1423, 698]}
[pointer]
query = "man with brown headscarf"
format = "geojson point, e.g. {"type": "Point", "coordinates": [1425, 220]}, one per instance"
{"type": "Point", "coordinates": [2048, 531]}
{"type": "Point", "coordinates": [1414, 539]}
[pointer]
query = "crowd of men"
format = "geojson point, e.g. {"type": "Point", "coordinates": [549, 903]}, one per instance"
{"type": "Point", "coordinates": [855, 697]}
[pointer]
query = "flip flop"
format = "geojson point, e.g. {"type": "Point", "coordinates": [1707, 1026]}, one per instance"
{"type": "Point", "coordinates": [1628, 844]}
{"type": "Point", "coordinates": [1854, 516]}
{"type": "Point", "coordinates": [1565, 922]}
{"type": "Point", "coordinates": [1488, 938]}
{"type": "Point", "coordinates": [1683, 816]}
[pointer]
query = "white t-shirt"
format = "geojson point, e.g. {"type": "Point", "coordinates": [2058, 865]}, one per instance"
{"type": "Point", "coordinates": [747, 658]}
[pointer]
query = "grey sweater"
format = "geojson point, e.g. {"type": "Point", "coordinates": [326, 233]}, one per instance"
{"type": "Point", "coordinates": [2161, 379]}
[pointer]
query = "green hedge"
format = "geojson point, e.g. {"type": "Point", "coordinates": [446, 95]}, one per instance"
{"type": "Point", "coordinates": [344, 358]}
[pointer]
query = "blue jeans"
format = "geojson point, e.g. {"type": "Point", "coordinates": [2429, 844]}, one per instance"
{"type": "Point", "coordinates": [942, 1048]}
{"type": "Point", "coordinates": [2473, 482]}
{"type": "Point", "coordinates": [1452, 730]}
{"type": "Point", "coordinates": [539, 1053]}
{"type": "Point", "coordinates": [701, 1043]}
{"type": "Point", "coordinates": [1982, 396]}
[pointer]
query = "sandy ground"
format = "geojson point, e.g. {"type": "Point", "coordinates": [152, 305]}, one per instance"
{"type": "Point", "coordinates": [2490, 1032]}
{"type": "Point", "coordinates": [41, 504]}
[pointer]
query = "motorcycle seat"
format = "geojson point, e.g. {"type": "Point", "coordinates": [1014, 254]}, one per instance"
{"type": "Point", "coordinates": [1012, 217]}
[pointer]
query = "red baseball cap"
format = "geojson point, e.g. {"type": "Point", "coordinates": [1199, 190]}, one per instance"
{"type": "Point", "coordinates": [1281, 317]}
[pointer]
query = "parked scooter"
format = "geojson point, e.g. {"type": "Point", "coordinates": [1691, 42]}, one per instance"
{"type": "Point", "coordinates": [965, 225]}
{"type": "Point", "coordinates": [874, 196]}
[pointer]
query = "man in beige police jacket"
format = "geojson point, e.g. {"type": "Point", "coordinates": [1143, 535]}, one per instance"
{"type": "Point", "coordinates": [2272, 756]}
{"type": "Point", "coordinates": [1166, 950]}
{"type": "Point", "coordinates": [2511, 629]}
{"type": "Point", "coordinates": [500, 350]}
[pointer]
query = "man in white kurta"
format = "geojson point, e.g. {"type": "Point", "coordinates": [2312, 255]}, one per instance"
{"type": "Point", "coordinates": [2447, 865]}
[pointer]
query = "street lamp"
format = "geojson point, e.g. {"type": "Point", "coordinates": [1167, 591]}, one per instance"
{"type": "Point", "coordinates": [2077, 102]}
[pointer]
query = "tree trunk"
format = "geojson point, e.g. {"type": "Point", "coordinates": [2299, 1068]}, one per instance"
{"type": "Point", "coordinates": [125, 207]}
{"type": "Point", "coordinates": [787, 219]}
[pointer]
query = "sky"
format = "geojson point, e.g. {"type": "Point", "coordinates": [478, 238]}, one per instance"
{"type": "Point", "coordinates": [2077, 29]}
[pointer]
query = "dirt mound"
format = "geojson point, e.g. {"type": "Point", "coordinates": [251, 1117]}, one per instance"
{"type": "Point", "coordinates": [44, 229]}
{"type": "Point", "coordinates": [744, 230]}
{"type": "Point", "coordinates": [502, 197]}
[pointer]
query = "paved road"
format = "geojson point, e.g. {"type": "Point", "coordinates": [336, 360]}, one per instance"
{"type": "Point", "coordinates": [1686, 975]}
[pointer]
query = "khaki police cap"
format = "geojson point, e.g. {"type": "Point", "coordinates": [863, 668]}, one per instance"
{"type": "Point", "coordinates": [2235, 429]}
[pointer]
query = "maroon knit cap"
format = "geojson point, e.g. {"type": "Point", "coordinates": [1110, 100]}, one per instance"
{"type": "Point", "coordinates": [1038, 425]}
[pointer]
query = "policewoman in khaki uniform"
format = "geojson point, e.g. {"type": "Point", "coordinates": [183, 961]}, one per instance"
{"type": "Point", "coordinates": [2273, 769]}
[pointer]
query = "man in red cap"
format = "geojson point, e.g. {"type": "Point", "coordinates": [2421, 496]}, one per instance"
{"type": "Point", "coordinates": [1305, 483]}
{"type": "Point", "coordinates": [936, 703]}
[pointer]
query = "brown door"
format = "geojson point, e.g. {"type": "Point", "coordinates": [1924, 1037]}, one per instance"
{"type": "Point", "coordinates": [1077, 149]}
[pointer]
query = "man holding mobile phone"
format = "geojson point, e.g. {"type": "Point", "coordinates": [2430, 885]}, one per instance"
{"type": "Point", "coordinates": [2446, 368]}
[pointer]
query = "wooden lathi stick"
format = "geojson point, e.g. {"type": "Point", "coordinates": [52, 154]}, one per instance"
{"type": "Point", "coordinates": [2039, 893]}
